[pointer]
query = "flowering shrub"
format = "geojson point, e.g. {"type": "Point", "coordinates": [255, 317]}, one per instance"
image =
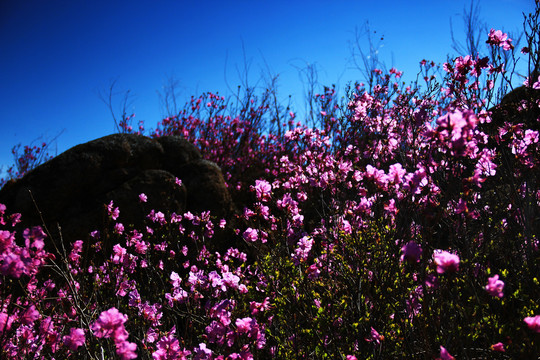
{"type": "Point", "coordinates": [405, 225]}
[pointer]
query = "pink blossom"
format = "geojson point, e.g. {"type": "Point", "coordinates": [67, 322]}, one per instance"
{"type": "Point", "coordinates": [6, 240]}
{"type": "Point", "coordinates": [34, 237]}
{"type": "Point", "coordinates": [30, 315]}
{"type": "Point", "coordinates": [202, 352]}
{"type": "Point", "coordinates": [497, 37]}
{"type": "Point", "coordinates": [446, 262]}
{"type": "Point", "coordinates": [533, 323]}
{"type": "Point", "coordinates": [396, 173]}
{"type": "Point", "coordinates": [12, 265]}
{"type": "Point", "coordinates": [169, 349]}
{"type": "Point", "coordinates": [498, 347]}
{"type": "Point", "coordinates": [445, 355]}
{"type": "Point", "coordinates": [113, 212]}
{"type": "Point", "coordinates": [5, 322]}
{"type": "Point", "coordinates": [126, 350]}
{"type": "Point", "coordinates": [251, 235]}
{"type": "Point", "coordinates": [263, 190]}
{"type": "Point", "coordinates": [244, 325]}
{"type": "Point", "coordinates": [108, 323]}
{"type": "Point", "coordinates": [119, 228]}
{"type": "Point", "coordinates": [495, 286]}
{"type": "Point", "coordinates": [143, 197]}
{"type": "Point", "coordinates": [222, 223]}
{"type": "Point", "coordinates": [75, 339]}
{"type": "Point", "coordinates": [301, 253]}
{"type": "Point", "coordinates": [119, 253]}
{"type": "Point", "coordinates": [529, 83]}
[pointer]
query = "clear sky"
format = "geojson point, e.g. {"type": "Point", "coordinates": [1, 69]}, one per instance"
{"type": "Point", "coordinates": [56, 56]}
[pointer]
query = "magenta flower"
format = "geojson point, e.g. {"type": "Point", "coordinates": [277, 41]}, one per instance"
{"type": "Point", "coordinates": [263, 190]}
{"type": "Point", "coordinates": [445, 355]}
{"type": "Point", "coordinates": [75, 339]}
{"type": "Point", "coordinates": [126, 350]}
{"type": "Point", "coordinates": [5, 322]}
{"type": "Point", "coordinates": [30, 315]}
{"type": "Point", "coordinates": [202, 352]}
{"type": "Point", "coordinates": [34, 237]}
{"type": "Point", "coordinates": [533, 323]}
{"type": "Point", "coordinates": [251, 235]}
{"type": "Point", "coordinates": [446, 262]}
{"type": "Point", "coordinates": [495, 286]}
{"type": "Point", "coordinates": [143, 197]}
{"type": "Point", "coordinates": [12, 265]}
{"type": "Point", "coordinates": [396, 173]}
{"type": "Point", "coordinates": [497, 37]}
{"type": "Point", "coordinates": [113, 212]}
{"type": "Point", "coordinates": [243, 325]}
{"type": "Point", "coordinates": [498, 347]}
{"type": "Point", "coordinates": [108, 323]}
{"type": "Point", "coordinates": [411, 252]}
{"type": "Point", "coordinates": [169, 349]}
{"type": "Point", "coordinates": [6, 240]}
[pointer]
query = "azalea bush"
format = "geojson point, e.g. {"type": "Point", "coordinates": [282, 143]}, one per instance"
{"type": "Point", "coordinates": [403, 225]}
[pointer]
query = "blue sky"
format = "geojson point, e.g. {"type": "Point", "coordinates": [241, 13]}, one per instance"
{"type": "Point", "coordinates": [56, 56]}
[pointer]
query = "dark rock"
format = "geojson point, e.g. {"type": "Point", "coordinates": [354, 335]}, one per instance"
{"type": "Point", "coordinates": [72, 189]}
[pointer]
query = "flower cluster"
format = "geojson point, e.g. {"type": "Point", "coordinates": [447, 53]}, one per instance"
{"type": "Point", "coordinates": [368, 234]}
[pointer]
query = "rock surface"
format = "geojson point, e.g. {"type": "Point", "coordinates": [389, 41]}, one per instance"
{"type": "Point", "coordinates": [72, 189]}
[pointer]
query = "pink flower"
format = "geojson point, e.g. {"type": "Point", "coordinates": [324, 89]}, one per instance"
{"type": "Point", "coordinates": [396, 173]}
{"type": "Point", "coordinates": [143, 197]}
{"type": "Point", "coordinates": [202, 352]}
{"type": "Point", "coordinates": [30, 315]}
{"type": "Point", "coordinates": [243, 325]}
{"type": "Point", "coordinates": [498, 347]}
{"type": "Point", "coordinates": [529, 83]}
{"type": "Point", "coordinates": [497, 37]}
{"type": "Point", "coordinates": [113, 212]}
{"type": "Point", "coordinates": [495, 286]}
{"type": "Point", "coordinates": [263, 190]}
{"type": "Point", "coordinates": [34, 237]}
{"type": "Point", "coordinates": [75, 339]}
{"type": "Point", "coordinates": [251, 235]}
{"type": "Point", "coordinates": [119, 253]}
{"type": "Point", "coordinates": [533, 323]}
{"type": "Point", "coordinates": [108, 323]}
{"type": "Point", "coordinates": [5, 322]}
{"type": "Point", "coordinates": [6, 240]}
{"type": "Point", "coordinates": [446, 262]}
{"type": "Point", "coordinates": [169, 349]}
{"type": "Point", "coordinates": [411, 252]}
{"type": "Point", "coordinates": [12, 265]}
{"type": "Point", "coordinates": [445, 355]}
{"type": "Point", "coordinates": [126, 350]}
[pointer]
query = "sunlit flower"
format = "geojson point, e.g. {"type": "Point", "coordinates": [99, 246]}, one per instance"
{"type": "Point", "coordinates": [446, 262]}
{"type": "Point", "coordinates": [75, 339]}
{"type": "Point", "coordinates": [533, 322]}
